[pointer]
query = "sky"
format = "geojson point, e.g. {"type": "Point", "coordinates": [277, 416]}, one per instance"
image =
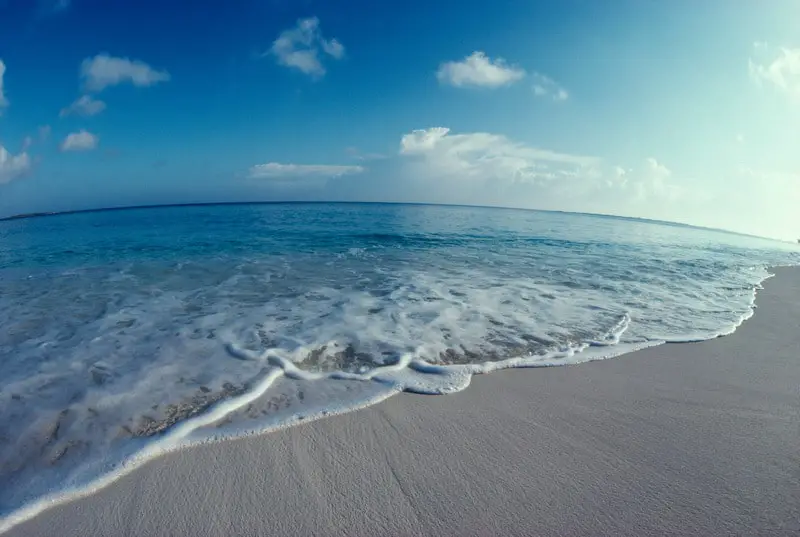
{"type": "Point", "coordinates": [677, 110]}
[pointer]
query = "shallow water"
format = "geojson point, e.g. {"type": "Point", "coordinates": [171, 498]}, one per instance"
{"type": "Point", "coordinates": [126, 332]}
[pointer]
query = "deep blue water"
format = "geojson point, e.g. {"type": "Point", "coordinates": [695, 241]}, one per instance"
{"type": "Point", "coordinates": [117, 327]}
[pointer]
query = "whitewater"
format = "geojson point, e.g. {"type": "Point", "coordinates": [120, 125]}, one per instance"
{"type": "Point", "coordinates": [128, 333]}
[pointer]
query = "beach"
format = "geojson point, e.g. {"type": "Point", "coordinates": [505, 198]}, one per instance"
{"type": "Point", "coordinates": [680, 439]}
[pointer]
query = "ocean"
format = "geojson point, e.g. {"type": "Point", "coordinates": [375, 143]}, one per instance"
{"type": "Point", "coordinates": [128, 333]}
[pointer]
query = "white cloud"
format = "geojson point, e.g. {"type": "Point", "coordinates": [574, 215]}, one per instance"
{"type": "Point", "coordinates": [334, 48]}
{"type": "Point", "coordinates": [13, 166]}
{"type": "Point", "coordinates": [489, 156]}
{"type": "Point", "coordinates": [544, 86]}
{"type": "Point", "coordinates": [275, 170]}
{"type": "Point", "coordinates": [620, 189]}
{"type": "Point", "coordinates": [299, 47]}
{"type": "Point", "coordinates": [27, 142]}
{"type": "Point", "coordinates": [3, 100]}
{"type": "Point", "coordinates": [79, 141]}
{"type": "Point", "coordinates": [44, 133]}
{"type": "Point", "coordinates": [86, 105]}
{"type": "Point", "coordinates": [779, 69]}
{"type": "Point", "coordinates": [103, 71]}
{"type": "Point", "coordinates": [490, 169]}
{"type": "Point", "coordinates": [478, 69]}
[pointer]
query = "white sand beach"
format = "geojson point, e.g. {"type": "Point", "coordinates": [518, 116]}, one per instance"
{"type": "Point", "coordinates": [681, 439]}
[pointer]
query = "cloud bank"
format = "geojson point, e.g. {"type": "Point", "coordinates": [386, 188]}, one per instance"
{"type": "Point", "coordinates": [487, 157]}
{"type": "Point", "coordinates": [491, 169]}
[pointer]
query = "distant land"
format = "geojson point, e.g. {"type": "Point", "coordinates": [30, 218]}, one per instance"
{"type": "Point", "coordinates": [223, 203]}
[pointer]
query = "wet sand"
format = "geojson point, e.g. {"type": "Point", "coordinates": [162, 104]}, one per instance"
{"type": "Point", "coordinates": [682, 439]}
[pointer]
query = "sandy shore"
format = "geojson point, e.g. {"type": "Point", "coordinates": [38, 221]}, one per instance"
{"type": "Point", "coordinates": [691, 439]}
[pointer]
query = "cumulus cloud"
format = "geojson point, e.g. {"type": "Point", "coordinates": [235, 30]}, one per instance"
{"type": "Point", "coordinates": [544, 86]}
{"type": "Point", "coordinates": [27, 142]}
{"type": "Point", "coordinates": [13, 166]}
{"type": "Point", "coordinates": [103, 71]}
{"type": "Point", "coordinates": [478, 69]}
{"type": "Point", "coordinates": [86, 105]}
{"type": "Point", "coordinates": [490, 169]}
{"type": "Point", "coordinates": [779, 69]}
{"type": "Point", "coordinates": [275, 170]}
{"type": "Point", "coordinates": [488, 156]}
{"type": "Point", "coordinates": [79, 141]}
{"type": "Point", "coordinates": [300, 48]}
{"type": "Point", "coordinates": [3, 100]}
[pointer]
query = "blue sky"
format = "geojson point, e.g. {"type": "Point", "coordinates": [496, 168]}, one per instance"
{"type": "Point", "coordinates": [679, 110]}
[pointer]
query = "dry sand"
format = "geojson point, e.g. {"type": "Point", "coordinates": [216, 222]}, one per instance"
{"type": "Point", "coordinates": [689, 439]}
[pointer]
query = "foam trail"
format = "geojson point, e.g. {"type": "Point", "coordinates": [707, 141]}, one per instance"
{"type": "Point", "coordinates": [399, 376]}
{"type": "Point", "coordinates": [409, 373]}
{"type": "Point", "coordinates": [176, 439]}
{"type": "Point", "coordinates": [170, 441]}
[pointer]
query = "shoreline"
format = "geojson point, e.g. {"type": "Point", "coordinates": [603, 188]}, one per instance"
{"type": "Point", "coordinates": [214, 459]}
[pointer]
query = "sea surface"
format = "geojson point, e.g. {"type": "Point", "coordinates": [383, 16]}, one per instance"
{"type": "Point", "coordinates": [127, 333]}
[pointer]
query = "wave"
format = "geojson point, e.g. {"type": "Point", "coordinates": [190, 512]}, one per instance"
{"type": "Point", "coordinates": [409, 374]}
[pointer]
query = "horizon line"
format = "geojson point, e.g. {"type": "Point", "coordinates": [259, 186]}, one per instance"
{"type": "Point", "coordinates": [25, 216]}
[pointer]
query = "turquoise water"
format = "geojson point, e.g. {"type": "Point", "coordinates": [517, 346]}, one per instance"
{"type": "Point", "coordinates": [124, 333]}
